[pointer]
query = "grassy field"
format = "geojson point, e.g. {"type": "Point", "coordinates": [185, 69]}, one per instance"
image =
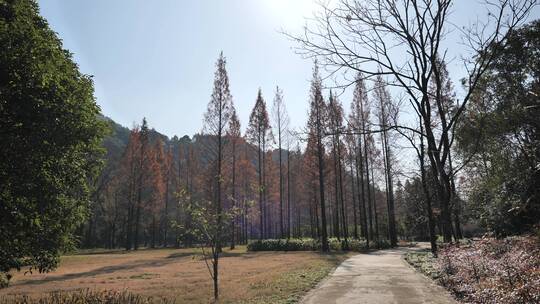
{"type": "Point", "coordinates": [181, 274]}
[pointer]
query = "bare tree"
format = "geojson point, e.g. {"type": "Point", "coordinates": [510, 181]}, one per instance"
{"type": "Point", "coordinates": [316, 126]}
{"type": "Point", "coordinates": [335, 119]}
{"type": "Point", "coordinates": [386, 110]}
{"type": "Point", "coordinates": [216, 120]}
{"type": "Point", "coordinates": [234, 135]}
{"type": "Point", "coordinates": [258, 132]}
{"type": "Point", "coordinates": [403, 40]}
{"type": "Point", "coordinates": [281, 125]}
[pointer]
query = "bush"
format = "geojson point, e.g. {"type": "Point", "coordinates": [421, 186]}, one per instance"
{"type": "Point", "coordinates": [4, 279]}
{"type": "Point", "coordinates": [284, 245]}
{"type": "Point", "coordinates": [308, 244]}
{"type": "Point", "coordinates": [424, 262]}
{"type": "Point", "coordinates": [492, 271]}
{"type": "Point", "coordinates": [84, 297]}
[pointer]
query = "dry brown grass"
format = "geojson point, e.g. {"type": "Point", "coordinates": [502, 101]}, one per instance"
{"type": "Point", "coordinates": [181, 274]}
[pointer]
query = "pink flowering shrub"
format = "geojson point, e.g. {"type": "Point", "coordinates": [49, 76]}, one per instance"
{"type": "Point", "coordinates": [492, 271]}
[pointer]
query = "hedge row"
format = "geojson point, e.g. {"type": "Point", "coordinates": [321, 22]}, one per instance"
{"type": "Point", "coordinates": [308, 244]}
{"type": "Point", "coordinates": [84, 297]}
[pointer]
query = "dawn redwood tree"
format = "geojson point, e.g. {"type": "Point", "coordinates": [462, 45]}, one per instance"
{"type": "Point", "coordinates": [335, 126]}
{"type": "Point", "coordinates": [188, 169]}
{"type": "Point", "coordinates": [216, 120]}
{"type": "Point", "coordinates": [169, 179]}
{"type": "Point", "coordinates": [361, 114]}
{"type": "Point", "coordinates": [289, 183]}
{"type": "Point", "coordinates": [258, 133]}
{"type": "Point", "coordinates": [356, 118]}
{"type": "Point", "coordinates": [316, 127]}
{"type": "Point", "coordinates": [234, 136]}
{"type": "Point", "coordinates": [142, 176]}
{"type": "Point", "coordinates": [51, 141]}
{"type": "Point", "coordinates": [281, 124]}
{"type": "Point", "coordinates": [386, 114]}
{"type": "Point", "coordinates": [129, 171]}
{"type": "Point", "coordinates": [404, 40]}
{"type": "Point", "coordinates": [135, 166]}
{"type": "Point", "coordinates": [157, 188]}
{"type": "Point", "coordinates": [310, 179]}
{"type": "Point", "coordinates": [350, 155]}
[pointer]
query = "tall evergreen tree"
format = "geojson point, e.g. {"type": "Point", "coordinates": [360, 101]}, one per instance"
{"type": "Point", "coordinates": [51, 137]}
{"type": "Point", "coordinates": [385, 107]}
{"type": "Point", "coordinates": [216, 120]}
{"type": "Point", "coordinates": [259, 133]}
{"type": "Point", "coordinates": [316, 126]}
{"type": "Point", "coordinates": [281, 122]}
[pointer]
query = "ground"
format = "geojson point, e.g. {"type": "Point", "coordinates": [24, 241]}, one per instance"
{"type": "Point", "coordinates": [181, 274]}
{"type": "Point", "coordinates": [380, 277]}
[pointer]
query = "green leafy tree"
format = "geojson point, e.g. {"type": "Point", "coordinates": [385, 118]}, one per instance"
{"type": "Point", "coordinates": [51, 138]}
{"type": "Point", "coordinates": [499, 137]}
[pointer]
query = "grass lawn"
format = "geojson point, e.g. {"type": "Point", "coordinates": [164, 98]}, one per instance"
{"type": "Point", "coordinates": [181, 274]}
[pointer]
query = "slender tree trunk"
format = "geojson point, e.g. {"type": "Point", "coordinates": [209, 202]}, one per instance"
{"type": "Point", "coordinates": [342, 198]}
{"type": "Point", "coordinates": [321, 187]}
{"type": "Point", "coordinates": [281, 230]}
{"type": "Point", "coordinates": [362, 191]}
{"type": "Point", "coordinates": [353, 199]}
{"type": "Point", "coordinates": [165, 219]}
{"type": "Point", "coordinates": [431, 221]}
{"type": "Point", "coordinates": [389, 189]}
{"type": "Point", "coordinates": [335, 210]}
{"type": "Point", "coordinates": [153, 236]}
{"type": "Point", "coordinates": [375, 211]}
{"type": "Point", "coordinates": [455, 201]}
{"type": "Point", "coordinates": [233, 220]}
{"type": "Point", "coordinates": [261, 229]}
{"type": "Point", "coordinates": [368, 192]}
{"type": "Point", "coordinates": [288, 193]}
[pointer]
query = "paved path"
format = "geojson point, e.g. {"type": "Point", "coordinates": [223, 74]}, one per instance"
{"type": "Point", "coordinates": [378, 277]}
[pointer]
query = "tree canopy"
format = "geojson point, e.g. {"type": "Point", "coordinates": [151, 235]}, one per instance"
{"type": "Point", "coordinates": [51, 140]}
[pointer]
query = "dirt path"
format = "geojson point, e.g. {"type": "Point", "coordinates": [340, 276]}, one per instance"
{"type": "Point", "coordinates": [378, 277]}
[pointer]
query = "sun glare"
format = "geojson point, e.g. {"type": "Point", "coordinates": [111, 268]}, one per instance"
{"type": "Point", "coordinates": [290, 12]}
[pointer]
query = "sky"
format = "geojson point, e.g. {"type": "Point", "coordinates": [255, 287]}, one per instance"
{"type": "Point", "coordinates": [156, 59]}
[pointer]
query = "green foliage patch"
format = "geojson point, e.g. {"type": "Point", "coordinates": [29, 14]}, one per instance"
{"type": "Point", "coordinates": [309, 244]}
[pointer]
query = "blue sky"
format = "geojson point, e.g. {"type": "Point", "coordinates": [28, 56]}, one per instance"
{"type": "Point", "coordinates": [156, 58]}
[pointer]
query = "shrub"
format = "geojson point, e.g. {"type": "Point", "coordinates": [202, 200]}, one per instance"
{"type": "Point", "coordinates": [284, 245]}
{"type": "Point", "coordinates": [308, 244]}
{"type": "Point", "coordinates": [492, 271]}
{"type": "Point", "coordinates": [84, 297]}
{"type": "Point", "coordinates": [4, 279]}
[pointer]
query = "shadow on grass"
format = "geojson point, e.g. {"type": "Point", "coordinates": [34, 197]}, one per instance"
{"type": "Point", "coordinates": [100, 271]}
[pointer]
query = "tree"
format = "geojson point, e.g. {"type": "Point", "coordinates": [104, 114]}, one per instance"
{"type": "Point", "coordinates": [157, 188]}
{"type": "Point", "coordinates": [386, 115]}
{"type": "Point", "coordinates": [403, 40]}
{"type": "Point", "coordinates": [281, 123]}
{"type": "Point", "coordinates": [356, 122]}
{"type": "Point", "coordinates": [234, 135]}
{"type": "Point", "coordinates": [169, 179]}
{"type": "Point", "coordinates": [499, 137]}
{"type": "Point", "coordinates": [51, 137]}
{"type": "Point", "coordinates": [335, 124]}
{"type": "Point", "coordinates": [216, 120]}
{"type": "Point", "coordinates": [142, 176]}
{"type": "Point", "coordinates": [258, 133]}
{"type": "Point", "coordinates": [316, 126]}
